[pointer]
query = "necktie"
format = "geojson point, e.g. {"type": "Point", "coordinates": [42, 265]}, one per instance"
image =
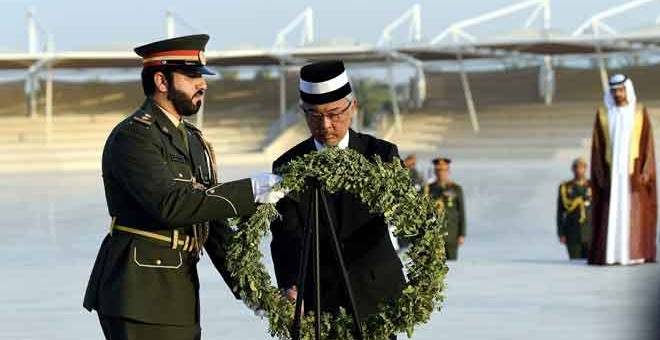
{"type": "Point", "coordinates": [184, 135]}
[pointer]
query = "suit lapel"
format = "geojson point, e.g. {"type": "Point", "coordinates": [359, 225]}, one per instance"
{"type": "Point", "coordinates": [356, 143]}
{"type": "Point", "coordinates": [342, 204]}
{"type": "Point", "coordinates": [307, 195]}
{"type": "Point", "coordinates": [346, 200]}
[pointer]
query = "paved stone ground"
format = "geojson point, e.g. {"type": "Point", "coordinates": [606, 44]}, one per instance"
{"type": "Point", "coordinates": [512, 281]}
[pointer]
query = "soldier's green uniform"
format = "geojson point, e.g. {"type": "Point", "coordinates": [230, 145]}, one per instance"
{"type": "Point", "coordinates": [574, 217]}
{"type": "Point", "coordinates": [450, 197]}
{"type": "Point", "coordinates": [164, 200]}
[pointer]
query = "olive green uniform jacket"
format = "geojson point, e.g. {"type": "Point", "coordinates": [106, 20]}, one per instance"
{"type": "Point", "coordinates": [159, 181]}
{"type": "Point", "coordinates": [574, 217]}
{"type": "Point", "coordinates": [450, 198]}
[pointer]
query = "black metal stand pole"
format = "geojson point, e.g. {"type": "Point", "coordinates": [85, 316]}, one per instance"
{"type": "Point", "coordinates": [317, 266]}
{"type": "Point", "coordinates": [357, 327]}
{"type": "Point", "coordinates": [302, 277]}
{"type": "Point", "coordinates": [311, 236]}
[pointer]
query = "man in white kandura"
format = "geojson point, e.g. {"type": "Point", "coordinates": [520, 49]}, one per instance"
{"type": "Point", "coordinates": [623, 177]}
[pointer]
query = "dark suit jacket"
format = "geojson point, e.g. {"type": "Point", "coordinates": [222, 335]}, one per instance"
{"type": "Point", "coordinates": [147, 174]}
{"type": "Point", "coordinates": [374, 268]}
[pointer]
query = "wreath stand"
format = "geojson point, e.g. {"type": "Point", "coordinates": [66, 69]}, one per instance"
{"type": "Point", "coordinates": [311, 238]}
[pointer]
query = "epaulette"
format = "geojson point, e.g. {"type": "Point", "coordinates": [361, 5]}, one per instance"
{"type": "Point", "coordinates": [143, 118]}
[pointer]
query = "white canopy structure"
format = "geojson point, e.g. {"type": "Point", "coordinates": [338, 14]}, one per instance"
{"type": "Point", "coordinates": [455, 43]}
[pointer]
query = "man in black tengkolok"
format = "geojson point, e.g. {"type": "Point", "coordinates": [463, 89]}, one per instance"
{"type": "Point", "coordinates": [374, 269]}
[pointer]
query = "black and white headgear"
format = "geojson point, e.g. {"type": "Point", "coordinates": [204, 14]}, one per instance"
{"type": "Point", "coordinates": [324, 82]}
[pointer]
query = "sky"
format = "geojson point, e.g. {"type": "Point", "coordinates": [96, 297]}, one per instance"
{"type": "Point", "coordinates": [121, 24]}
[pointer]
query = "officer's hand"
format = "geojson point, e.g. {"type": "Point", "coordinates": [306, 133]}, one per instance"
{"type": "Point", "coordinates": [262, 188]}
{"type": "Point", "coordinates": [461, 240]}
{"type": "Point", "coordinates": [562, 239]}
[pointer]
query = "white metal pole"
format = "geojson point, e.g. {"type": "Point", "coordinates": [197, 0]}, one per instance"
{"type": "Point", "coordinates": [393, 97]}
{"type": "Point", "coordinates": [469, 100]}
{"type": "Point", "coordinates": [412, 16]}
{"type": "Point", "coordinates": [421, 86]}
{"type": "Point", "coordinates": [282, 95]}
{"type": "Point", "coordinates": [547, 15]}
{"type": "Point", "coordinates": [308, 33]}
{"type": "Point", "coordinates": [170, 24]}
{"type": "Point", "coordinates": [49, 102]}
{"type": "Point", "coordinates": [33, 81]}
{"type": "Point", "coordinates": [416, 25]}
{"type": "Point", "coordinates": [601, 58]}
{"type": "Point", "coordinates": [49, 93]}
{"type": "Point", "coordinates": [602, 68]}
{"type": "Point", "coordinates": [49, 87]}
{"type": "Point", "coordinates": [30, 78]}
{"type": "Point", "coordinates": [305, 18]}
{"type": "Point", "coordinates": [33, 38]}
{"type": "Point", "coordinates": [549, 80]}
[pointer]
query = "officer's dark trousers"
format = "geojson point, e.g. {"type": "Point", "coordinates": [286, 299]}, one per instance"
{"type": "Point", "coordinates": [125, 329]}
{"type": "Point", "coordinates": [577, 250]}
{"type": "Point", "coordinates": [451, 251]}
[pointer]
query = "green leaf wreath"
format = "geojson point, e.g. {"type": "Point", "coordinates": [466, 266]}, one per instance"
{"type": "Point", "coordinates": [385, 188]}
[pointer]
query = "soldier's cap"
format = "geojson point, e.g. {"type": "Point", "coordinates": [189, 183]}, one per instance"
{"type": "Point", "coordinates": [441, 161]}
{"type": "Point", "coordinates": [324, 82]}
{"type": "Point", "coordinates": [184, 53]}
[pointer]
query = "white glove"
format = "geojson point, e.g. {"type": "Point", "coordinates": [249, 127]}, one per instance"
{"type": "Point", "coordinates": [262, 188]}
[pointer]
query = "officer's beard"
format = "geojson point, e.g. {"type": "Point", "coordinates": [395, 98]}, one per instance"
{"type": "Point", "coordinates": [182, 103]}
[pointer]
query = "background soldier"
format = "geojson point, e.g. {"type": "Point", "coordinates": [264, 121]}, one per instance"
{"type": "Point", "coordinates": [417, 179]}
{"type": "Point", "coordinates": [574, 212]}
{"type": "Point", "coordinates": [449, 196]}
{"type": "Point", "coordinates": [161, 188]}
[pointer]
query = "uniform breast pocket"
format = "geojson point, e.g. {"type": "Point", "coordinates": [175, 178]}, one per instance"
{"type": "Point", "coordinates": [179, 167]}
{"type": "Point", "coordinates": [180, 171]}
{"type": "Point", "coordinates": [146, 256]}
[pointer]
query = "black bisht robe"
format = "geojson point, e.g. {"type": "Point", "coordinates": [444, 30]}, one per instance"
{"type": "Point", "coordinates": [375, 270]}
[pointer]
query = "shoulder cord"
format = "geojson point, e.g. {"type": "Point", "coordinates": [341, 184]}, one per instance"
{"type": "Point", "coordinates": [201, 230]}
{"type": "Point", "coordinates": [572, 204]}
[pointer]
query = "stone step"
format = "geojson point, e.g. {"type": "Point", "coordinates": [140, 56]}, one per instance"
{"type": "Point", "coordinates": [497, 142]}
{"type": "Point", "coordinates": [517, 133]}
{"type": "Point", "coordinates": [485, 153]}
{"type": "Point", "coordinates": [51, 156]}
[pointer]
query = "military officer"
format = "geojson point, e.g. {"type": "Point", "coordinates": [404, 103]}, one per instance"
{"type": "Point", "coordinates": [574, 212]}
{"type": "Point", "coordinates": [165, 203]}
{"type": "Point", "coordinates": [417, 181]}
{"type": "Point", "coordinates": [410, 163]}
{"type": "Point", "coordinates": [448, 195]}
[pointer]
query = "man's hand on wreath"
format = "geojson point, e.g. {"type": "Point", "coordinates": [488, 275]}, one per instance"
{"type": "Point", "coordinates": [292, 294]}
